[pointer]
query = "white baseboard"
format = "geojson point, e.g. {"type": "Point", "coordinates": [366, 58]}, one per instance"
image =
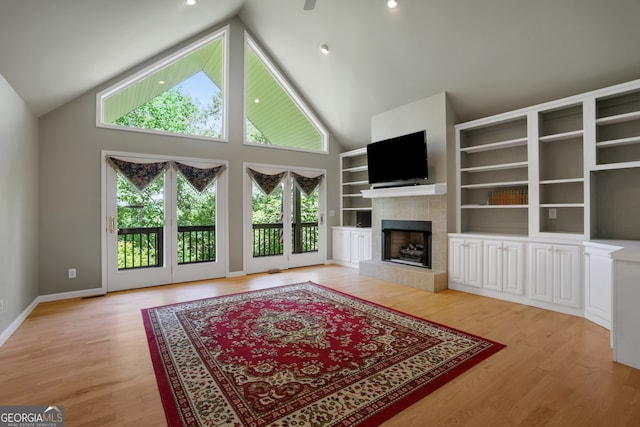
{"type": "Point", "coordinates": [16, 323]}
{"type": "Point", "coordinates": [343, 263]}
{"type": "Point", "coordinates": [4, 336]}
{"type": "Point", "coordinates": [236, 274]}
{"type": "Point", "coordinates": [68, 295]}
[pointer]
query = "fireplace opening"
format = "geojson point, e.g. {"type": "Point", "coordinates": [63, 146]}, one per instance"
{"type": "Point", "coordinates": [407, 242]}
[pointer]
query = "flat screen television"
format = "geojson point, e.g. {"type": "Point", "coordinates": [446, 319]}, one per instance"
{"type": "Point", "coordinates": [398, 161]}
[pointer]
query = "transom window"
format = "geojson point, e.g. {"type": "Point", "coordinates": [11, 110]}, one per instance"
{"type": "Point", "coordinates": [275, 116]}
{"type": "Point", "coordinates": [183, 94]}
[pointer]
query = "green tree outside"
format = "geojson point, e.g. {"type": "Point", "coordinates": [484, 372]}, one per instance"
{"type": "Point", "coordinates": [175, 111]}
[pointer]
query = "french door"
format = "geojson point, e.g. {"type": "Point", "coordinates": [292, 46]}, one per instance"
{"type": "Point", "coordinates": [169, 231]}
{"type": "Point", "coordinates": [285, 228]}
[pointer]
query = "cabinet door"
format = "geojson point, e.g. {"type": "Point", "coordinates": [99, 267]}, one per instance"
{"type": "Point", "coordinates": [566, 276]}
{"type": "Point", "coordinates": [513, 267]}
{"type": "Point", "coordinates": [365, 246]}
{"type": "Point", "coordinates": [341, 245]}
{"type": "Point", "coordinates": [456, 260]}
{"type": "Point", "coordinates": [541, 280]}
{"type": "Point", "coordinates": [360, 246]}
{"type": "Point", "coordinates": [492, 264]}
{"type": "Point", "coordinates": [597, 284]}
{"type": "Point", "coordinates": [473, 262]}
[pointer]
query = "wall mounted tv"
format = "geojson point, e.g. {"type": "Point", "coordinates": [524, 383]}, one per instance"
{"type": "Point", "coordinates": [398, 161]}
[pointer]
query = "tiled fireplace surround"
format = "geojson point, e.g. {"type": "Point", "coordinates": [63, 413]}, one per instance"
{"type": "Point", "coordinates": [423, 208]}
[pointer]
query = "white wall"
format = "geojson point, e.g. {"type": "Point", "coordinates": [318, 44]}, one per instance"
{"type": "Point", "coordinates": [70, 178]}
{"type": "Point", "coordinates": [18, 205]}
{"type": "Point", "coordinates": [428, 114]}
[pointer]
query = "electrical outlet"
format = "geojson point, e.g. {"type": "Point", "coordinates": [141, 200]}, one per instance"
{"type": "Point", "coordinates": [553, 213]}
{"type": "Point", "coordinates": [72, 273]}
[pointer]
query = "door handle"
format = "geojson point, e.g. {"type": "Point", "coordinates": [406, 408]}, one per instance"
{"type": "Point", "coordinates": [112, 225]}
{"type": "Point", "coordinates": [321, 219]}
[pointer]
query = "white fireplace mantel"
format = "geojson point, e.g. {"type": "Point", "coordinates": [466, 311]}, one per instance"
{"type": "Point", "coordinates": [411, 190]}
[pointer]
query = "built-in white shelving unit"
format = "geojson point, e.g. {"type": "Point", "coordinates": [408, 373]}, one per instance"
{"type": "Point", "coordinates": [572, 243]}
{"type": "Point", "coordinates": [563, 169]}
{"type": "Point", "coordinates": [354, 177]}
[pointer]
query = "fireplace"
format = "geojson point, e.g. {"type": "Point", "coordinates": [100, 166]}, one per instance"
{"type": "Point", "coordinates": [407, 242]}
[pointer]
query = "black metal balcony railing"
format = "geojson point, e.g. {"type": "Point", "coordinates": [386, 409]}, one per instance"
{"type": "Point", "coordinates": [141, 247]}
{"type": "Point", "coordinates": [267, 239]}
{"type": "Point", "coordinates": [196, 244]}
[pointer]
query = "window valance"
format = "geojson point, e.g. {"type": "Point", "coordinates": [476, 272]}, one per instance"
{"type": "Point", "coordinates": [266, 182]}
{"type": "Point", "coordinates": [141, 175]}
{"type": "Point", "coordinates": [200, 179]}
{"type": "Point", "coordinates": [305, 184]}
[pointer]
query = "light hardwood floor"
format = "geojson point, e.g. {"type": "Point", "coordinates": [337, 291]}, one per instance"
{"type": "Point", "coordinates": [91, 356]}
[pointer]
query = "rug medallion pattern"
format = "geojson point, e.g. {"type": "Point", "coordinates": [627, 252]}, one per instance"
{"type": "Point", "coordinates": [298, 355]}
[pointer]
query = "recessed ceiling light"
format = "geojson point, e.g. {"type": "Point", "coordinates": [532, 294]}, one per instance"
{"type": "Point", "coordinates": [324, 49]}
{"type": "Point", "coordinates": [391, 3]}
{"type": "Point", "coordinates": [191, 2]}
{"type": "Point", "coordinates": [257, 100]}
{"type": "Point", "coordinates": [161, 82]}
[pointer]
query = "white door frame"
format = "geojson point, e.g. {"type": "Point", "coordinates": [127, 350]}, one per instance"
{"type": "Point", "coordinates": [287, 260]}
{"type": "Point", "coordinates": [177, 273]}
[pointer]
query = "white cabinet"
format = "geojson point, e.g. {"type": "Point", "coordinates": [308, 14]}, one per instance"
{"type": "Point", "coordinates": [465, 261]}
{"type": "Point", "coordinates": [504, 266]}
{"type": "Point", "coordinates": [626, 316]}
{"type": "Point", "coordinates": [360, 245]}
{"type": "Point", "coordinates": [351, 245]}
{"type": "Point", "coordinates": [598, 282]}
{"type": "Point", "coordinates": [555, 274]}
{"type": "Point", "coordinates": [341, 245]}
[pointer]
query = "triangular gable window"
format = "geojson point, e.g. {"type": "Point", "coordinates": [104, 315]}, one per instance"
{"type": "Point", "coordinates": [275, 115]}
{"type": "Point", "coordinates": [183, 94]}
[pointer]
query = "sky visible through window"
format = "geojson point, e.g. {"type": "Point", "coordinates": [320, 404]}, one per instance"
{"type": "Point", "coordinates": [202, 89]}
{"type": "Point", "coordinates": [199, 87]}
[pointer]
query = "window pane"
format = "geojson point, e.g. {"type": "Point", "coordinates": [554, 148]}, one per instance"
{"type": "Point", "coordinates": [196, 223]}
{"type": "Point", "coordinates": [267, 221]}
{"type": "Point", "coordinates": [140, 225]}
{"type": "Point", "coordinates": [272, 116]}
{"type": "Point", "coordinates": [184, 97]}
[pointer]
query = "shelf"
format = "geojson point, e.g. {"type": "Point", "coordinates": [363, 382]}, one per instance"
{"type": "Point", "coordinates": [577, 157]}
{"type": "Point", "coordinates": [562, 205]}
{"type": "Point", "coordinates": [626, 117]}
{"type": "Point", "coordinates": [503, 166]}
{"type": "Point", "coordinates": [494, 206]}
{"type": "Point", "coordinates": [562, 136]}
{"type": "Point", "coordinates": [495, 146]}
{"type": "Point", "coordinates": [614, 166]}
{"type": "Point", "coordinates": [356, 169]}
{"type": "Point", "coordinates": [355, 153]}
{"type": "Point", "coordinates": [496, 184]}
{"type": "Point", "coordinates": [618, 142]}
{"type": "Point", "coordinates": [561, 181]}
{"type": "Point", "coordinates": [353, 179]}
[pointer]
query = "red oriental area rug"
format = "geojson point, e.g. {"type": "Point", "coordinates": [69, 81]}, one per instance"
{"type": "Point", "coordinates": [299, 355]}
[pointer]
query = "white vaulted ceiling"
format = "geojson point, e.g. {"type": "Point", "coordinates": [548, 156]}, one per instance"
{"type": "Point", "coordinates": [490, 56]}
